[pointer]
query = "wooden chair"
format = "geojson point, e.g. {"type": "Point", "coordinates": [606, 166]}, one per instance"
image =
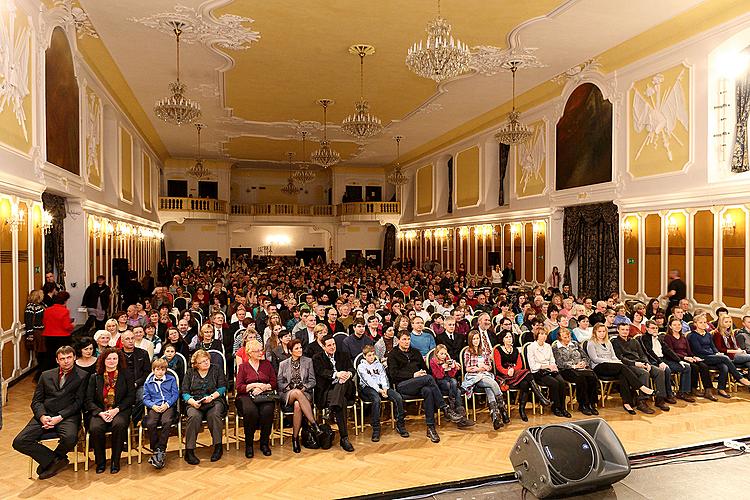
{"type": "Point", "coordinates": [87, 445]}
{"type": "Point", "coordinates": [605, 383]}
{"type": "Point", "coordinates": [49, 437]}
{"type": "Point", "coordinates": [358, 397]}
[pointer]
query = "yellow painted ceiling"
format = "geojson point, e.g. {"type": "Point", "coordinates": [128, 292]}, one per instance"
{"type": "Point", "coordinates": [259, 148]}
{"type": "Point", "coordinates": [303, 54]}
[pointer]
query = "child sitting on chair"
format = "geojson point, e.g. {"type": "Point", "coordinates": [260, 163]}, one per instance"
{"type": "Point", "coordinates": [375, 388]}
{"type": "Point", "coordinates": [444, 370]}
{"type": "Point", "coordinates": [160, 393]}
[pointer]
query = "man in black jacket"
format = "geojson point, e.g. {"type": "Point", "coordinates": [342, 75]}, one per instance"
{"type": "Point", "coordinates": [334, 384]}
{"type": "Point", "coordinates": [509, 275]}
{"type": "Point", "coordinates": [452, 340]}
{"type": "Point", "coordinates": [139, 367]}
{"type": "Point", "coordinates": [96, 299]}
{"type": "Point", "coordinates": [56, 405]}
{"type": "Point", "coordinates": [408, 373]}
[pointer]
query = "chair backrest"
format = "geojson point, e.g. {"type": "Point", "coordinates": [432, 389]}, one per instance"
{"type": "Point", "coordinates": [524, 357]}
{"type": "Point", "coordinates": [399, 294]}
{"type": "Point", "coordinates": [414, 294]}
{"type": "Point", "coordinates": [340, 334]}
{"type": "Point", "coordinates": [218, 358]}
{"type": "Point", "coordinates": [428, 357]}
{"type": "Point", "coordinates": [460, 359]}
{"type": "Point", "coordinates": [181, 303]}
{"type": "Point", "coordinates": [174, 317]}
{"type": "Point", "coordinates": [184, 361]}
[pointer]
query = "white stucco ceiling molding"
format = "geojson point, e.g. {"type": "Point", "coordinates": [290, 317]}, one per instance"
{"type": "Point", "coordinates": [64, 13]}
{"type": "Point", "coordinates": [228, 31]}
{"type": "Point", "coordinates": [576, 72]}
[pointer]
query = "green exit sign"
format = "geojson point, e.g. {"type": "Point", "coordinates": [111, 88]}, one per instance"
{"type": "Point", "coordinates": [631, 261]}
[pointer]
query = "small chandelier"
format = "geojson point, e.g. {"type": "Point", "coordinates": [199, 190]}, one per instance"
{"type": "Point", "coordinates": [47, 221]}
{"type": "Point", "coordinates": [290, 188]}
{"type": "Point", "coordinates": [325, 156]}
{"type": "Point", "coordinates": [199, 171]}
{"type": "Point", "coordinates": [513, 132]}
{"type": "Point", "coordinates": [303, 175]}
{"type": "Point", "coordinates": [397, 177]}
{"type": "Point", "coordinates": [177, 109]}
{"type": "Point", "coordinates": [440, 57]}
{"type": "Point", "coordinates": [362, 124]}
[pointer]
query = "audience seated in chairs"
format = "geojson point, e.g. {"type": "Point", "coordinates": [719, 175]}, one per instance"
{"type": "Point", "coordinates": [296, 381]}
{"type": "Point", "coordinates": [376, 388]}
{"type": "Point", "coordinates": [109, 401]}
{"type": "Point", "coordinates": [334, 385]}
{"type": "Point", "coordinates": [545, 371]}
{"type": "Point", "coordinates": [421, 339]}
{"type": "Point", "coordinates": [256, 401]}
{"type": "Point", "coordinates": [138, 367]}
{"type": "Point", "coordinates": [56, 405]}
{"type": "Point", "coordinates": [204, 389]}
{"type": "Point", "coordinates": [478, 374]}
{"type": "Point", "coordinates": [511, 372]}
{"type": "Point", "coordinates": [385, 344]}
{"type": "Point", "coordinates": [444, 369]}
{"type": "Point", "coordinates": [676, 340]}
{"type": "Point", "coordinates": [659, 353]}
{"type": "Point", "coordinates": [573, 363]}
{"type": "Point", "coordinates": [408, 373]}
{"type": "Point", "coordinates": [160, 395]}
{"type": "Point", "coordinates": [606, 364]}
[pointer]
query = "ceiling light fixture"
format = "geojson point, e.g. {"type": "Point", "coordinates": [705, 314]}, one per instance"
{"type": "Point", "coordinates": [397, 177]}
{"type": "Point", "coordinates": [513, 132]}
{"type": "Point", "coordinates": [199, 171]}
{"type": "Point", "coordinates": [325, 156]}
{"type": "Point", "coordinates": [177, 109]}
{"type": "Point", "coordinates": [290, 188]}
{"type": "Point", "coordinates": [440, 57]}
{"type": "Point", "coordinates": [303, 175]}
{"type": "Point", "coordinates": [362, 124]}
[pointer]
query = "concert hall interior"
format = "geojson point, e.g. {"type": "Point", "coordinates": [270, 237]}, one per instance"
{"type": "Point", "coordinates": [389, 249]}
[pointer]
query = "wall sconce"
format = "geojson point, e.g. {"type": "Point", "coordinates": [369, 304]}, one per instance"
{"type": "Point", "coordinates": [538, 227]}
{"type": "Point", "coordinates": [410, 235]}
{"type": "Point", "coordinates": [16, 218]}
{"type": "Point", "coordinates": [728, 225]}
{"type": "Point", "coordinates": [96, 228]}
{"type": "Point", "coordinates": [463, 232]}
{"type": "Point", "coordinates": [109, 228]}
{"type": "Point", "coordinates": [47, 221]}
{"type": "Point", "coordinates": [672, 228]}
{"type": "Point", "coordinates": [441, 233]}
{"type": "Point", "coordinates": [427, 234]}
{"type": "Point", "coordinates": [627, 229]}
{"type": "Point", "coordinates": [515, 229]}
{"type": "Point", "coordinates": [484, 230]}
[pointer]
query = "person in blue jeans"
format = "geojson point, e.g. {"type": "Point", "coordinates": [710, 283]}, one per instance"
{"type": "Point", "coordinates": [444, 370]}
{"type": "Point", "coordinates": [160, 393]}
{"type": "Point", "coordinates": [375, 388]}
{"type": "Point", "coordinates": [658, 353]}
{"type": "Point", "coordinates": [408, 372]}
{"type": "Point", "coordinates": [703, 347]}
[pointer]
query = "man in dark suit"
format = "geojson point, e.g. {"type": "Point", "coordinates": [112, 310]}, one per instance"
{"type": "Point", "coordinates": [487, 336]}
{"type": "Point", "coordinates": [452, 340]}
{"type": "Point", "coordinates": [307, 334]}
{"type": "Point", "coordinates": [139, 367]}
{"type": "Point", "coordinates": [509, 275]}
{"type": "Point", "coordinates": [56, 405]}
{"type": "Point", "coordinates": [334, 384]}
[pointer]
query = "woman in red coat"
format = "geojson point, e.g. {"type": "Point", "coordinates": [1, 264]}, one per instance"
{"type": "Point", "coordinates": [57, 327]}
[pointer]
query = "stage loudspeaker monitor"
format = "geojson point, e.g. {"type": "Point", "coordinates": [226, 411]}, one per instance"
{"type": "Point", "coordinates": [564, 459]}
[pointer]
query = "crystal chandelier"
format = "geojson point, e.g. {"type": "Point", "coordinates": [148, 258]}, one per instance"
{"type": "Point", "coordinates": [325, 156]}
{"type": "Point", "coordinates": [362, 124]}
{"type": "Point", "coordinates": [303, 175]}
{"type": "Point", "coordinates": [177, 109]}
{"type": "Point", "coordinates": [513, 132]}
{"type": "Point", "coordinates": [290, 188]}
{"type": "Point", "coordinates": [198, 170]}
{"type": "Point", "coordinates": [440, 57]}
{"type": "Point", "coordinates": [397, 177]}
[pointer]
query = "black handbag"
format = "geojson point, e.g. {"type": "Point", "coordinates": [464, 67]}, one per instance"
{"type": "Point", "coordinates": [264, 397]}
{"type": "Point", "coordinates": [326, 437]}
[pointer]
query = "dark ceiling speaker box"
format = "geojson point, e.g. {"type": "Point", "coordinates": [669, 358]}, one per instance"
{"type": "Point", "coordinates": [564, 459]}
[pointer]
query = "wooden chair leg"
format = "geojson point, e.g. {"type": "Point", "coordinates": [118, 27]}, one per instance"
{"type": "Point", "coordinates": [140, 444]}
{"type": "Point", "coordinates": [130, 447]}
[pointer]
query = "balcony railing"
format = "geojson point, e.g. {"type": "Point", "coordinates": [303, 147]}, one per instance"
{"type": "Point", "coordinates": [176, 204]}
{"type": "Point", "coordinates": [369, 208]}
{"type": "Point", "coordinates": [283, 209]}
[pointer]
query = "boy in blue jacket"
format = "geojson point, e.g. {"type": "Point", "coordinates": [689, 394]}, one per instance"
{"type": "Point", "coordinates": [375, 388]}
{"type": "Point", "coordinates": [160, 393]}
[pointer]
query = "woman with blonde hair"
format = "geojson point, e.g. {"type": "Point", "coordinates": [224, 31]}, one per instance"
{"type": "Point", "coordinates": [314, 348]}
{"type": "Point", "coordinates": [256, 386]}
{"type": "Point", "coordinates": [203, 389]}
{"type": "Point", "coordinates": [206, 340]}
{"type": "Point", "coordinates": [727, 344]}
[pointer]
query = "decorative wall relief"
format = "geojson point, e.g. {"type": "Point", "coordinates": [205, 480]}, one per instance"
{"type": "Point", "coordinates": [659, 123]}
{"type": "Point", "coordinates": [15, 81]}
{"type": "Point", "coordinates": [94, 127]}
{"type": "Point", "coordinates": [531, 163]}
{"type": "Point", "coordinates": [584, 139]}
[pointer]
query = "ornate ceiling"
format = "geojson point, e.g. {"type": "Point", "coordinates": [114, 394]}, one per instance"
{"type": "Point", "coordinates": [258, 67]}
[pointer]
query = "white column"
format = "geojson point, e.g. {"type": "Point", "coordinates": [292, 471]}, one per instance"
{"type": "Point", "coordinates": [76, 243]}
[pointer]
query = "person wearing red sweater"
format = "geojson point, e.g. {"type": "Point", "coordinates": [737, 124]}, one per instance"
{"type": "Point", "coordinates": [509, 366]}
{"type": "Point", "coordinates": [57, 326]}
{"type": "Point", "coordinates": [443, 370]}
{"type": "Point", "coordinates": [255, 377]}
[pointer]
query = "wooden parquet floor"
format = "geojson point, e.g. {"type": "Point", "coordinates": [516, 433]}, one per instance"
{"type": "Point", "coordinates": [393, 463]}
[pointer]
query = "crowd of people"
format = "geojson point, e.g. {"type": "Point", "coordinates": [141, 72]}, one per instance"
{"type": "Point", "coordinates": [254, 336]}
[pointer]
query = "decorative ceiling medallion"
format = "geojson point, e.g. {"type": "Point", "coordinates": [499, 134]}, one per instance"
{"type": "Point", "coordinates": [228, 31]}
{"type": "Point", "coordinates": [489, 60]}
{"type": "Point", "coordinates": [430, 108]}
{"type": "Point", "coordinates": [575, 71]}
{"type": "Point", "coordinates": [75, 16]}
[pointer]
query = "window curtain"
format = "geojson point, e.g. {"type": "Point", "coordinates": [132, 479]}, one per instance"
{"type": "Point", "coordinates": [591, 233]}
{"type": "Point", "coordinates": [389, 245]}
{"type": "Point", "coordinates": [739, 149]}
{"type": "Point", "coordinates": [450, 185]}
{"type": "Point", "coordinates": [503, 156]}
{"type": "Point", "coordinates": [54, 242]}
